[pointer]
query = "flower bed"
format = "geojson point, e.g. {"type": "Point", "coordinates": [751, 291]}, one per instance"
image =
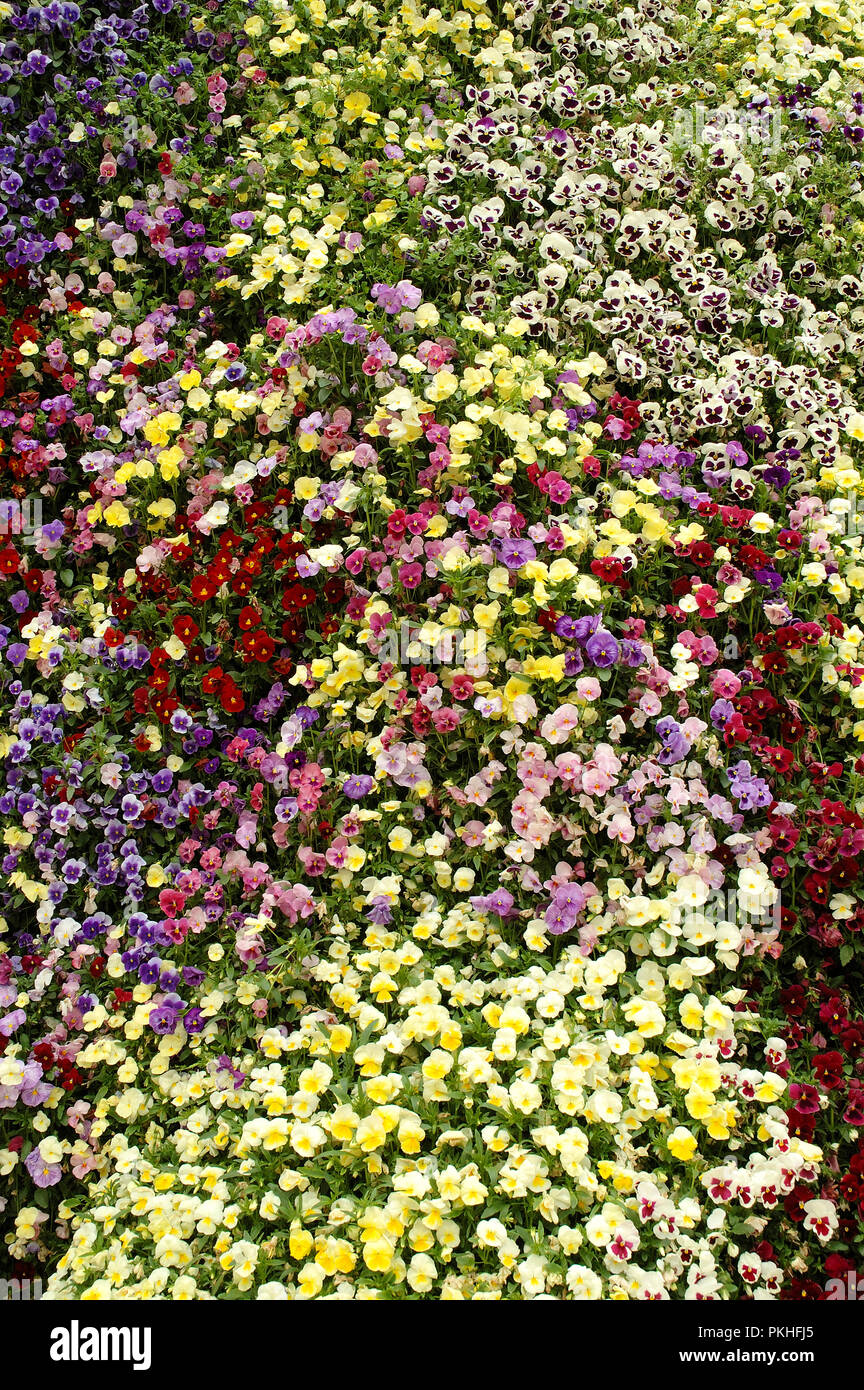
{"type": "Point", "coordinates": [432, 578]}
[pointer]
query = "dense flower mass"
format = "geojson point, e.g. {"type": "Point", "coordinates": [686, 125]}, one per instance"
{"type": "Point", "coordinates": [431, 574]}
